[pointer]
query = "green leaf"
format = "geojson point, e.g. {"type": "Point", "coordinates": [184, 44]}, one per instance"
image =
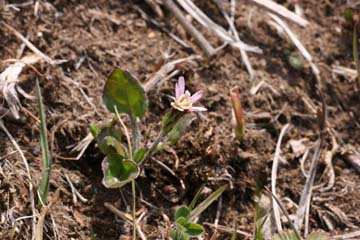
{"type": "Point", "coordinates": [178, 235]}
{"type": "Point", "coordinates": [318, 236]}
{"type": "Point", "coordinates": [291, 235]}
{"type": "Point", "coordinates": [139, 155]}
{"type": "Point", "coordinates": [194, 230]}
{"type": "Point", "coordinates": [101, 133]}
{"type": "Point", "coordinates": [113, 143]}
{"type": "Point", "coordinates": [182, 211]}
{"type": "Point", "coordinates": [206, 203]}
{"type": "Point", "coordinates": [179, 128]}
{"type": "Point", "coordinates": [126, 93]}
{"type": "Point", "coordinates": [98, 128]}
{"type": "Point", "coordinates": [45, 153]}
{"type": "Point", "coordinates": [181, 223]}
{"type": "Point", "coordinates": [117, 171]}
{"type": "Point", "coordinates": [195, 199]}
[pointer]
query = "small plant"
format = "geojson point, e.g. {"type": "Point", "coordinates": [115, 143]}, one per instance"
{"type": "Point", "coordinates": [185, 215]}
{"type": "Point", "coordinates": [46, 158]}
{"type": "Point", "coordinates": [123, 93]}
{"type": "Point", "coordinates": [353, 20]}
{"type": "Point", "coordinates": [239, 125]}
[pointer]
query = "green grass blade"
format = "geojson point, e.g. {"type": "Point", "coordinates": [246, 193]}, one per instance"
{"type": "Point", "coordinates": [45, 176]}
{"type": "Point", "coordinates": [206, 203]}
{"type": "Point", "coordinates": [355, 53]}
{"type": "Point", "coordinates": [194, 201]}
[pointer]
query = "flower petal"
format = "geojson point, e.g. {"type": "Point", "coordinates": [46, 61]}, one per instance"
{"type": "Point", "coordinates": [173, 104]}
{"type": "Point", "coordinates": [177, 91]}
{"type": "Point", "coordinates": [197, 109]}
{"type": "Point", "coordinates": [196, 96]}
{"type": "Point", "coordinates": [180, 87]}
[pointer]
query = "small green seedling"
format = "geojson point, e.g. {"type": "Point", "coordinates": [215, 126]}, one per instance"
{"type": "Point", "coordinates": [185, 216]}
{"type": "Point", "coordinates": [45, 153]}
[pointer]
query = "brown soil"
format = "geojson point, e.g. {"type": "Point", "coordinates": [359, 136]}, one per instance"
{"type": "Point", "coordinates": [208, 154]}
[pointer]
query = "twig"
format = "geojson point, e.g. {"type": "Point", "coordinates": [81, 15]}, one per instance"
{"type": "Point", "coordinates": [280, 10]}
{"type": "Point", "coordinates": [74, 191]}
{"type": "Point", "coordinates": [329, 155]}
{"type": "Point", "coordinates": [274, 176]}
{"type": "Point", "coordinates": [198, 37]}
{"type": "Point", "coordinates": [40, 224]}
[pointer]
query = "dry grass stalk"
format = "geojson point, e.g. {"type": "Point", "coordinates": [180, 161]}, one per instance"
{"type": "Point", "coordinates": [44, 211]}
{"type": "Point", "coordinates": [124, 216]}
{"type": "Point", "coordinates": [230, 20]}
{"type": "Point", "coordinates": [298, 44]}
{"type": "Point", "coordinates": [9, 79]}
{"type": "Point", "coordinates": [304, 203]}
{"type": "Point", "coordinates": [204, 20]}
{"type": "Point", "coordinates": [198, 37]}
{"type": "Point", "coordinates": [280, 10]}
{"type": "Point", "coordinates": [346, 72]}
{"type": "Point", "coordinates": [32, 46]}
{"type": "Point", "coordinates": [276, 211]}
{"type": "Point", "coordinates": [31, 192]}
{"type": "Point", "coordinates": [162, 27]}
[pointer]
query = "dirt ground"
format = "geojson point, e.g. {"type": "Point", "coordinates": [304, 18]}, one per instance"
{"type": "Point", "coordinates": [96, 36]}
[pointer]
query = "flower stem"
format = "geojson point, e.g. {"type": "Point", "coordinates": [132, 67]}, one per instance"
{"type": "Point", "coordinates": [153, 146]}
{"type": "Point", "coordinates": [134, 208]}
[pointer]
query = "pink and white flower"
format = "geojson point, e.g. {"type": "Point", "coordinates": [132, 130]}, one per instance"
{"type": "Point", "coordinates": [183, 100]}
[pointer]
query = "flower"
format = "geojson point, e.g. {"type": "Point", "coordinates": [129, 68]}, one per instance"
{"type": "Point", "coordinates": [183, 100]}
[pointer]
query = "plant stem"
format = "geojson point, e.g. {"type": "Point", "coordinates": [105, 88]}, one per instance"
{"type": "Point", "coordinates": [134, 208]}
{"type": "Point", "coordinates": [153, 146]}
{"type": "Point", "coordinates": [135, 133]}
{"type": "Point", "coordinates": [126, 133]}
